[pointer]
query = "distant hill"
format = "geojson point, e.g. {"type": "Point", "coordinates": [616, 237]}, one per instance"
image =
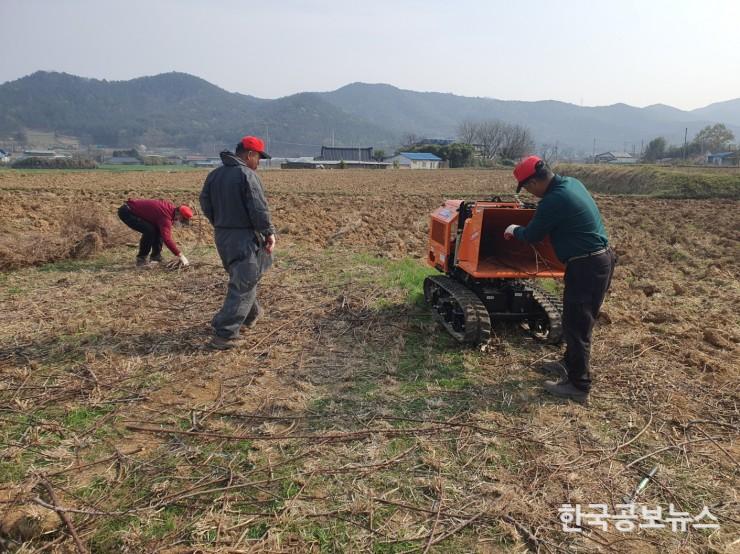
{"type": "Point", "coordinates": [174, 108]}
{"type": "Point", "coordinates": [721, 111]}
{"type": "Point", "coordinates": [437, 114]}
{"type": "Point", "coordinates": [177, 109]}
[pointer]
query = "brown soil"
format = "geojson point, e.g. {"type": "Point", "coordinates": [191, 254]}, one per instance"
{"type": "Point", "coordinates": [91, 350]}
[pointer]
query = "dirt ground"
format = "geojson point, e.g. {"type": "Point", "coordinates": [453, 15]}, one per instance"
{"type": "Point", "coordinates": [347, 421]}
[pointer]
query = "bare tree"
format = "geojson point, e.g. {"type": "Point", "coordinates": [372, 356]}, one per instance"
{"type": "Point", "coordinates": [494, 138]}
{"type": "Point", "coordinates": [409, 139]}
{"type": "Point", "coordinates": [468, 131]}
{"type": "Point", "coordinates": [491, 136]}
{"type": "Point", "coordinates": [517, 141]}
{"type": "Point", "coordinates": [549, 153]}
{"type": "Point", "coordinates": [713, 137]}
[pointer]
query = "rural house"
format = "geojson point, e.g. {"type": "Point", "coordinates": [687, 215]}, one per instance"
{"type": "Point", "coordinates": [615, 158]}
{"type": "Point", "coordinates": [4, 156]}
{"type": "Point", "coordinates": [315, 163]}
{"type": "Point", "coordinates": [39, 154]}
{"type": "Point", "coordinates": [346, 154]}
{"type": "Point", "coordinates": [416, 160]}
{"type": "Point", "coordinates": [723, 158]}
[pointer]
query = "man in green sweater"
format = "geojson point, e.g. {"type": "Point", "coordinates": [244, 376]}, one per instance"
{"type": "Point", "coordinates": [568, 214]}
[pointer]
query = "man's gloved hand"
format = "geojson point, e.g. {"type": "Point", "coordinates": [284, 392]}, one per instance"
{"type": "Point", "coordinates": [180, 261]}
{"type": "Point", "coordinates": [509, 232]}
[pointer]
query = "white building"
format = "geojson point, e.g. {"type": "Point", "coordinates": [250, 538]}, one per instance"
{"type": "Point", "coordinates": [415, 160]}
{"type": "Point", "coordinates": [46, 154]}
{"type": "Point", "coordinates": [615, 158]}
{"type": "Point", "coordinates": [38, 154]}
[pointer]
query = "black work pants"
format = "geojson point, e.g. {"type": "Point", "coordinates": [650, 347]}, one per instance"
{"type": "Point", "coordinates": [151, 239]}
{"type": "Point", "coordinates": [586, 282]}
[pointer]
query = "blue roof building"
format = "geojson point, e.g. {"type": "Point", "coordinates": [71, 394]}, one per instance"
{"type": "Point", "coordinates": [416, 160]}
{"type": "Point", "coordinates": [722, 158]}
{"type": "Point", "coordinates": [420, 156]}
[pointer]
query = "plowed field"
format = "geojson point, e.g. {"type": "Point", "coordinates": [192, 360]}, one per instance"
{"type": "Point", "coordinates": [348, 421]}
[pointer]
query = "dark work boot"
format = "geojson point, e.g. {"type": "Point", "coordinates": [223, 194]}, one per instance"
{"type": "Point", "coordinates": [155, 258]}
{"type": "Point", "coordinates": [252, 318]}
{"type": "Point", "coordinates": [142, 262]}
{"type": "Point", "coordinates": [565, 389]}
{"type": "Point", "coordinates": [221, 343]}
{"type": "Point", "coordinates": [553, 369]}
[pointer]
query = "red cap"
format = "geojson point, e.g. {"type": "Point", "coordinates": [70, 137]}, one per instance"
{"type": "Point", "coordinates": [525, 169]}
{"type": "Point", "coordinates": [185, 211]}
{"type": "Point", "coordinates": [256, 145]}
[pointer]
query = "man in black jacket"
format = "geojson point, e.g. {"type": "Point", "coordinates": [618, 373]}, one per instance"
{"type": "Point", "coordinates": [234, 202]}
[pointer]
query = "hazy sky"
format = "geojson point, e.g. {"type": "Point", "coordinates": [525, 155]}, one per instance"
{"type": "Point", "coordinates": [684, 53]}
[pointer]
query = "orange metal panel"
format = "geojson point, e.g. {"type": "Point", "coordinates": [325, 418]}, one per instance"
{"type": "Point", "coordinates": [442, 231]}
{"type": "Point", "coordinates": [484, 253]}
{"type": "Point", "coordinates": [470, 240]}
{"type": "Point", "coordinates": [493, 270]}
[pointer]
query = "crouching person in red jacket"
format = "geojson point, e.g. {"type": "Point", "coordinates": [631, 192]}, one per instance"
{"type": "Point", "coordinates": [154, 220]}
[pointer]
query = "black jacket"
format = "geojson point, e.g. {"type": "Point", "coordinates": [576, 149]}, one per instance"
{"type": "Point", "coordinates": [233, 198]}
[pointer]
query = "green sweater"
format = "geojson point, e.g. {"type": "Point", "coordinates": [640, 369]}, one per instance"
{"type": "Point", "coordinates": [569, 215]}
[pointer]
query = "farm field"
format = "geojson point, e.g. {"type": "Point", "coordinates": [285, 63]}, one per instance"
{"type": "Point", "coordinates": [348, 422]}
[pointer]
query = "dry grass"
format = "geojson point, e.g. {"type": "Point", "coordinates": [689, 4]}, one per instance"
{"type": "Point", "coordinates": [659, 181]}
{"type": "Point", "coordinates": [76, 231]}
{"type": "Point", "coordinates": [347, 422]}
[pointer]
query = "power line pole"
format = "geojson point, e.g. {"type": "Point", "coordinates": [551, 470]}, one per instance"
{"type": "Point", "coordinates": [685, 142]}
{"type": "Point", "coordinates": [593, 156]}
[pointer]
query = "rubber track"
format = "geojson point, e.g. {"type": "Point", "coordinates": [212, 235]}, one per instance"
{"type": "Point", "coordinates": [477, 320]}
{"type": "Point", "coordinates": [553, 308]}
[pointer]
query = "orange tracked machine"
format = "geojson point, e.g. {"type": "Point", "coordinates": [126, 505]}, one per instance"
{"type": "Point", "coordinates": [487, 277]}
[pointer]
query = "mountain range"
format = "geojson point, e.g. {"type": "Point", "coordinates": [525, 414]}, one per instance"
{"type": "Point", "coordinates": [181, 110]}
